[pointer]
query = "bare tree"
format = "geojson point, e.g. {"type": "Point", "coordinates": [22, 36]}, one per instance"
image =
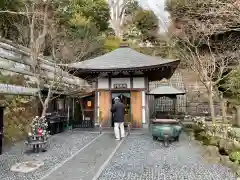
{"type": "Point", "coordinates": [45, 73]}
{"type": "Point", "coordinates": [118, 14]}
{"type": "Point", "coordinates": [72, 50]}
{"type": "Point", "coordinates": [209, 62]}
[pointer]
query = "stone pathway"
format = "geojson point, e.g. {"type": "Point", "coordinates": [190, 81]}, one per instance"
{"type": "Point", "coordinates": [86, 164]}
{"type": "Point", "coordinates": [62, 146]}
{"type": "Point", "coordinates": [141, 158]}
{"type": "Point", "coordinates": [90, 156]}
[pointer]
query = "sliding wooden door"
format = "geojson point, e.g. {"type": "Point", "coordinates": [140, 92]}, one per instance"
{"type": "Point", "coordinates": [136, 109]}
{"type": "Point", "coordinates": [105, 107]}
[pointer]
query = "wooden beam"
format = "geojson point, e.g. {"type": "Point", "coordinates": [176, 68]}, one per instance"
{"type": "Point", "coordinates": [17, 90]}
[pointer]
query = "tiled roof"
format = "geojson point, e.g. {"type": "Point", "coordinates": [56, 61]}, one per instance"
{"type": "Point", "coordinates": [121, 58]}
{"type": "Point", "coordinates": [166, 90]}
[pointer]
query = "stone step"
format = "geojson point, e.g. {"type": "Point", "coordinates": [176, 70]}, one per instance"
{"type": "Point", "coordinates": [87, 162]}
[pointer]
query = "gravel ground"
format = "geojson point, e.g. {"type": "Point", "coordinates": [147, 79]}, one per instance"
{"type": "Point", "coordinates": [61, 147]}
{"type": "Point", "coordinates": [141, 158]}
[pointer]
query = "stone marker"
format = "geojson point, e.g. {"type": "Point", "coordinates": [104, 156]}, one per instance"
{"type": "Point", "coordinates": [26, 167]}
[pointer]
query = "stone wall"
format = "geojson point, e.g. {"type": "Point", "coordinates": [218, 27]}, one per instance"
{"type": "Point", "coordinates": [197, 98]}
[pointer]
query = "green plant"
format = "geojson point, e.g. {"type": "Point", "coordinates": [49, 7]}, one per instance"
{"type": "Point", "coordinates": [235, 156]}
{"type": "Point", "coordinates": [111, 43]}
{"type": "Point", "coordinates": [199, 136]}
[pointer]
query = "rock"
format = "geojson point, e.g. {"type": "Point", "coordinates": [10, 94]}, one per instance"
{"type": "Point", "coordinates": [214, 141]}
{"type": "Point", "coordinates": [227, 162]}
{"type": "Point", "coordinates": [224, 159]}
{"type": "Point", "coordinates": [27, 167]}
{"type": "Point", "coordinates": [221, 143]}
{"type": "Point", "coordinates": [234, 166]}
{"type": "Point", "coordinates": [236, 145]}
{"type": "Point", "coordinates": [228, 146]}
{"type": "Point", "coordinates": [237, 117]}
{"type": "Point", "coordinates": [212, 150]}
{"type": "Point", "coordinates": [238, 172]}
{"type": "Point", "coordinates": [211, 154]}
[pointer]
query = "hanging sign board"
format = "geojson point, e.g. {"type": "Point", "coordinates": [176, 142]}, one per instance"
{"type": "Point", "coordinates": [120, 86]}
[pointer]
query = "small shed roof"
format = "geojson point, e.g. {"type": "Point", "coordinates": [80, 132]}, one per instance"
{"type": "Point", "coordinates": [166, 90]}
{"type": "Point", "coordinates": [121, 59]}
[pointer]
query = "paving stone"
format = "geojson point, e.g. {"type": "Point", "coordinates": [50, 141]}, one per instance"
{"type": "Point", "coordinates": [87, 162]}
{"type": "Point", "coordinates": [26, 167]}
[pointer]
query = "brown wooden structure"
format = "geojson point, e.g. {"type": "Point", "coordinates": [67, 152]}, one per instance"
{"type": "Point", "coordinates": [125, 73]}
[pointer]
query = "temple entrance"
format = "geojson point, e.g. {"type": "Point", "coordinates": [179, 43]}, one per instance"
{"type": "Point", "coordinates": [125, 98]}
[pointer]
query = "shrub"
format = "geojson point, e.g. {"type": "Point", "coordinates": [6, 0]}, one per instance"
{"type": "Point", "coordinates": [198, 130]}
{"type": "Point", "coordinates": [214, 141]}
{"type": "Point", "coordinates": [235, 156]}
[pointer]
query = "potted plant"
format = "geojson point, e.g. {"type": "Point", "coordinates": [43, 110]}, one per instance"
{"type": "Point", "coordinates": [38, 134]}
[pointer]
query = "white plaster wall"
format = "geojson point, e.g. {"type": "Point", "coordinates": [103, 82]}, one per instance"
{"type": "Point", "coordinates": [138, 82]}
{"type": "Point", "coordinates": [121, 81]}
{"type": "Point", "coordinates": [103, 83]}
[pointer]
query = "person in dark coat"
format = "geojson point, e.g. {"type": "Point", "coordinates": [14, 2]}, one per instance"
{"type": "Point", "coordinates": [118, 110]}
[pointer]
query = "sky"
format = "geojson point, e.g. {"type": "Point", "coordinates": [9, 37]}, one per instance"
{"type": "Point", "coordinates": [158, 7]}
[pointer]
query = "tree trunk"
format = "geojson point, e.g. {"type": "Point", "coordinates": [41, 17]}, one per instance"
{"type": "Point", "coordinates": [44, 110]}
{"type": "Point", "coordinates": [223, 109]}
{"type": "Point", "coordinates": [46, 102]}
{"type": "Point", "coordinates": [237, 117]}
{"type": "Point", "coordinates": [119, 33]}
{"type": "Point", "coordinates": [211, 106]}
{"type": "Point", "coordinates": [81, 106]}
